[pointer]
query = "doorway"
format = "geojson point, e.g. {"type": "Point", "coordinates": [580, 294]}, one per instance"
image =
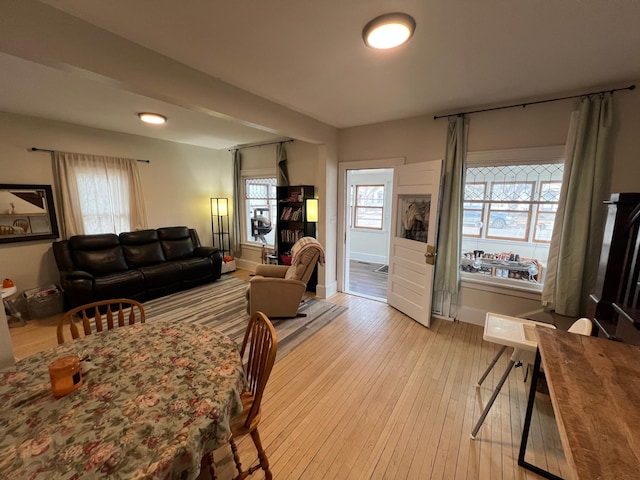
{"type": "Point", "coordinates": [365, 225]}
{"type": "Point", "coordinates": [368, 230]}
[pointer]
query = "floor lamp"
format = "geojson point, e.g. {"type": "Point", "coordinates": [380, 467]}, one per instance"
{"type": "Point", "coordinates": [220, 224]}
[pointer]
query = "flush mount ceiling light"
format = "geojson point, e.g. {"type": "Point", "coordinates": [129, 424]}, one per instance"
{"type": "Point", "coordinates": [154, 118]}
{"type": "Point", "coordinates": [389, 30]}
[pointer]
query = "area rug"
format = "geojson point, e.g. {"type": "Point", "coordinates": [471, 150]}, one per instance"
{"type": "Point", "coordinates": [222, 305]}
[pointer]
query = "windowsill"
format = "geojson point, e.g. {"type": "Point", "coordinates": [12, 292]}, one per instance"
{"type": "Point", "coordinates": [478, 281]}
{"type": "Point", "coordinates": [255, 246]}
{"type": "Point", "coordinates": [368, 230]}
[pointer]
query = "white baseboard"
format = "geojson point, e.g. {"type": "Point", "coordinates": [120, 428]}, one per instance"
{"type": "Point", "coordinates": [246, 264]}
{"type": "Point", "coordinates": [325, 291]}
{"type": "Point", "coordinates": [442, 317]}
{"type": "Point", "coordinates": [471, 315]}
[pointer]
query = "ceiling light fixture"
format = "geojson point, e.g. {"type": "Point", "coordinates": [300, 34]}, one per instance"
{"type": "Point", "coordinates": [154, 118]}
{"type": "Point", "coordinates": [389, 30]}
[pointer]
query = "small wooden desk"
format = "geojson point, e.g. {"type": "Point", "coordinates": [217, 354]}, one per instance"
{"type": "Point", "coordinates": [595, 392]}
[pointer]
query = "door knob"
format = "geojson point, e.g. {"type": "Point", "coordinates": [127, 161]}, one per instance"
{"type": "Point", "coordinates": [430, 255]}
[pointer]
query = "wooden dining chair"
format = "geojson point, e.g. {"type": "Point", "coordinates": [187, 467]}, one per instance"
{"type": "Point", "coordinates": [99, 316]}
{"type": "Point", "coordinates": [260, 345]}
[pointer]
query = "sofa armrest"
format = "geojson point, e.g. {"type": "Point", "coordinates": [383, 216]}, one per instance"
{"type": "Point", "coordinates": [204, 251]}
{"type": "Point", "coordinates": [214, 254]}
{"type": "Point", "coordinates": [70, 275]}
{"type": "Point", "coordinates": [272, 271]}
{"type": "Point", "coordinates": [77, 286]}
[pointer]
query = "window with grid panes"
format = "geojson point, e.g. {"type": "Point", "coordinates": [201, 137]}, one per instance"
{"type": "Point", "coordinates": [509, 208]}
{"type": "Point", "coordinates": [260, 212]}
{"type": "Point", "coordinates": [368, 209]}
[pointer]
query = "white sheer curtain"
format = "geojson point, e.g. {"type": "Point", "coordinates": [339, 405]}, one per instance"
{"type": "Point", "coordinates": [98, 194]}
{"type": "Point", "coordinates": [577, 233]}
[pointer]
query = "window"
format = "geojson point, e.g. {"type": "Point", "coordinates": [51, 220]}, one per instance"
{"type": "Point", "coordinates": [104, 200]}
{"type": "Point", "coordinates": [509, 207]}
{"type": "Point", "coordinates": [260, 212]}
{"type": "Point", "coordinates": [368, 209]}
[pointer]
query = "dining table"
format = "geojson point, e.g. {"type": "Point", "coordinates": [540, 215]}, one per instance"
{"type": "Point", "coordinates": [155, 397]}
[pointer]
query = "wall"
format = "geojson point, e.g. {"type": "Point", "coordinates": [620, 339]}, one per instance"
{"type": "Point", "coordinates": [423, 138]}
{"type": "Point", "coordinates": [177, 183]}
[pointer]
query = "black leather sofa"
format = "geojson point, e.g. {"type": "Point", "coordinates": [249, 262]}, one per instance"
{"type": "Point", "coordinates": [137, 265]}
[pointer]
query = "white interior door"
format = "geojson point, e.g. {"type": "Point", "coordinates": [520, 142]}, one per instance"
{"type": "Point", "coordinates": [416, 189]}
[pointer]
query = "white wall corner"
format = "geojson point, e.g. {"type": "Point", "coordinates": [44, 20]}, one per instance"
{"type": "Point", "coordinates": [326, 291]}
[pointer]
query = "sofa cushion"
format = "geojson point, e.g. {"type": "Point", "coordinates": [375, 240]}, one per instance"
{"type": "Point", "coordinates": [156, 276]}
{"type": "Point", "coordinates": [141, 248]}
{"type": "Point", "coordinates": [176, 242]}
{"type": "Point", "coordinates": [129, 284]}
{"type": "Point", "coordinates": [98, 254]}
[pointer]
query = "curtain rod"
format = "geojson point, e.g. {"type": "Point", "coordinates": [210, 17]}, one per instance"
{"type": "Point", "coordinates": [459, 114]}
{"type": "Point", "coordinates": [259, 145]}
{"type": "Point", "coordinates": [35, 149]}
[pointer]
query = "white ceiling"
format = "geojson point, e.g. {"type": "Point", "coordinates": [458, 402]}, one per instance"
{"type": "Point", "coordinates": [309, 56]}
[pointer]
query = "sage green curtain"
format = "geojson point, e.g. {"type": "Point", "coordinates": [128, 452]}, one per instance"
{"type": "Point", "coordinates": [283, 172]}
{"type": "Point", "coordinates": [577, 234]}
{"type": "Point", "coordinates": [238, 205]}
{"type": "Point", "coordinates": [447, 275]}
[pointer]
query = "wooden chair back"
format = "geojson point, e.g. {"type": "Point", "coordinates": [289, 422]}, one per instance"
{"type": "Point", "coordinates": [99, 316]}
{"type": "Point", "coordinates": [260, 344]}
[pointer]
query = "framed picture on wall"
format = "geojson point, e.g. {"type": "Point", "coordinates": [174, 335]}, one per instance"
{"type": "Point", "coordinates": [27, 213]}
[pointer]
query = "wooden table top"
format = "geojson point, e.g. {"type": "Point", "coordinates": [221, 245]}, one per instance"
{"type": "Point", "coordinates": [595, 391]}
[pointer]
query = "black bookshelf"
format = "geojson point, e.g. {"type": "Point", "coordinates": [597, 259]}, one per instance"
{"type": "Point", "coordinates": [292, 223]}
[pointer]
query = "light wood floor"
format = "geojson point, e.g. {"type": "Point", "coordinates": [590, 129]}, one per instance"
{"type": "Point", "coordinates": [364, 280]}
{"type": "Point", "coordinates": [374, 395]}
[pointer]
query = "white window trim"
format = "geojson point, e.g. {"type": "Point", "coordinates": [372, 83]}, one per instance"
{"type": "Point", "coordinates": [523, 156]}
{"type": "Point", "coordinates": [382, 208]}
{"type": "Point", "coordinates": [252, 173]}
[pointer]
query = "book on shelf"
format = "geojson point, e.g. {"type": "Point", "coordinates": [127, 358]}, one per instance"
{"type": "Point", "coordinates": [288, 213]}
{"type": "Point", "coordinates": [285, 213]}
{"type": "Point", "coordinates": [290, 236]}
{"type": "Point", "coordinates": [296, 215]}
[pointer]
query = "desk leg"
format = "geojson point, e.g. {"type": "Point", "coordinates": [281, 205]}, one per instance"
{"type": "Point", "coordinates": [491, 365]}
{"type": "Point", "coordinates": [527, 425]}
{"type": "Point", "coordinates": [493, 398]}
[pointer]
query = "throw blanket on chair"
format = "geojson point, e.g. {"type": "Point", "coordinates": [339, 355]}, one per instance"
{"type": "Point", "coordinates": [303, 244]}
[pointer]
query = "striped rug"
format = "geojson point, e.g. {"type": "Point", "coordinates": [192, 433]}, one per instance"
{"type": "Point", "coordinates": [222, 305]}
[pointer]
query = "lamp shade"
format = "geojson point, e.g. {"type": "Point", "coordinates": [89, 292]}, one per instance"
{"type": "Point", "coordinates": [219, 206]}
{"type": "Point", "coordinates": [312, 209]}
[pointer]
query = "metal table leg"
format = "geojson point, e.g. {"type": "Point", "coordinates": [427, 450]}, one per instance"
{"type": "Point", "coordinates": [493, 397]}
{"type": "Point", "coordinates": [527, 425]}
{"type": "Point", "coordinates": [13, 312]}
{"type": "Point", "coordinates": [491, 365]}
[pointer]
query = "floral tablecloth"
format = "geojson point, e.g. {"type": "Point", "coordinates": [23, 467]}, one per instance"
{"type": "Point", "coordinates": [155, 397]}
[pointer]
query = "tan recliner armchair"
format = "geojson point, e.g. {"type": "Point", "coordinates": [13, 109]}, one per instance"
{"type": "Point", "coordinates": [276, 290]}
